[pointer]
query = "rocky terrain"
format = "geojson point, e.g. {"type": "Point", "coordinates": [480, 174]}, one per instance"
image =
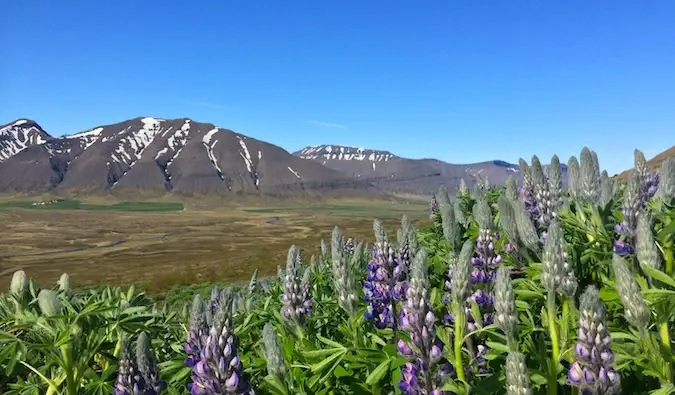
{"type": "Point", "coordinates": [392, 173]}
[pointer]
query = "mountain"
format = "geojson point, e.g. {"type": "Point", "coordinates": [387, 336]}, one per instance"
{"type": "Point", "coordinates": [179, 155]}
{"type": "Point", "coordinates": [395, 174]}
{"type": "Point", "coordinates": [653, 163]}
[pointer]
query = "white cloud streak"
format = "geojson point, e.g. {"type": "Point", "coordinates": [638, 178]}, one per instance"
{"type": "Point", "coordinates": [327, 125]}
{"type": "Point", "coordinates": [207, 104]}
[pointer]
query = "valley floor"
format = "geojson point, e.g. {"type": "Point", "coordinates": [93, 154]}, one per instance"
{"type": "Point", "coordinates": [158, 249]}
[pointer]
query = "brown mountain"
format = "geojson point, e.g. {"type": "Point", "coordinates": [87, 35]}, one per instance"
{"type": "Point", "coordinates": [178, 155]}
{"type": "Point", "coordinates": [402, 175]}
{"type": "Point", "coordinates": [653, 163]}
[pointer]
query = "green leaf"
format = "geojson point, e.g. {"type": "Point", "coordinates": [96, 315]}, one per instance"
{"type": "Point", "coordinates": [658, 275]}
{"type": "Point", "coordinates": [378, 373]}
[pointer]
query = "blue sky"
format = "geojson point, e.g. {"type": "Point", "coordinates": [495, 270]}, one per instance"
{"type": "Point", "coordinates": [461, 81]}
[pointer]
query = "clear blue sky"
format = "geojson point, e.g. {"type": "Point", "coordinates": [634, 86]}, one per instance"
{"type": "Point", "coordinates": [461, 81]}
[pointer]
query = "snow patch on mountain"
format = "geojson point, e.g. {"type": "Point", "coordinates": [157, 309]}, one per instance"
{"type": "Point", "coordinates": [338, 152]}
{"type": "Point", "coordinates": [246, 155]}
{"type": "Point", "coordinates": [206, 140]}
{"type": "Point", "coordinates": [14, 139]}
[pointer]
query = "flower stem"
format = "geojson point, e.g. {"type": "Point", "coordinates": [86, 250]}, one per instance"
{"type": "Point", "coordinates": [460, 323]}
{"type": "Point", "coordinates": [553, 329]}
{"type": "Point", "coordinates": [664, 333]}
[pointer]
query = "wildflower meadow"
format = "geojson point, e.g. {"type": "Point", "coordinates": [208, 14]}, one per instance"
{"type": "Point", "coordinates": [516, 289]}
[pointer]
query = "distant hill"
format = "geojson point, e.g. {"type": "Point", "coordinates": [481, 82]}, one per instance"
{"type": "Point", "coordinates": [395, 174]}
{"type": "Point", "coordinates": [177, 155]}
{"type": "Point", "coordinates": [653, 163]}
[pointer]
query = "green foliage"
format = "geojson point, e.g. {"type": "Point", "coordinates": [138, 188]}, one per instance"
{"type": "Point", "coordinates": [69, 204]}
{"type": "Point", "coordinates": [59, 341]}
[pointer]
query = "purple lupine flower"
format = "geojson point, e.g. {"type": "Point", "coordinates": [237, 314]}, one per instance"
{"type": "Point", "coordinates": [383, 287]}
{"type": "Point", "coordinates": [593, 371]}
{"type": "Point", "coordinates": [151, 383]}
{"type": "Point", "coordinates": [127, 372]}
{"type": "Point", "coordinates": [433, 207]}
{"type": "Point", "coordinates": [197, 333]}
{"type": "Point", "coordinates": [424, 350]}
{"type": "Point", "coordinates": [219, 370]}
{"type": "Point", "coordinates": [648, 181]}
{"type": "Point", "coordinates": [626, 230]}
{"type": "Point", "coordinates": [349, 247]}
{"type": "Point", "coordinates": [296, 298]}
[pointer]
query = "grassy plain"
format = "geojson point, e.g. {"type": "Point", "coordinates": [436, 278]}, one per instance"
{"type": "Point", "coordinates": [159, 246]}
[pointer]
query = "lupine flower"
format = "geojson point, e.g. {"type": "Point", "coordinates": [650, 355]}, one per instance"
{"type": "Point", "coordinates": [593, 371]}
{"type": "Point", "coordinates": [417, 319]}
{"type": "Point", "coordinates": [273, 352]}
{"type": "Point", "coordinates": [49, 303]}
{"type": "Point", "coordinates": [197, 332]}
{"type": "Point", "coordinates": [449, 225]}
{"type": "Point", "coordinates": [65, 285]}
{"type": "Point", "coordinates": [151, 383]}
{"type": "Point", "coordinates": [527, 191]}
{"type": "Point", "coordinates": [433, 207]}
{"type": "Point", "coordinates": [627, 228]}
{"type": "Point", "coordinates": [590, 177]}
{"type": "Point", "coordinates": [506, 316]}
{"type": "Point", "coordinates": [555, 186]}
{"type": "Point", "coordinates": [348, 246]}
{"type": "Point", "coordinates": [383, 287]}
{"type": "Point", "coordinates": [517, 378]}
{"type": "Point", "coordinates": [459, 215]}
{"type": "Point", "coordinates": [296, 298]}
{"type": "Point", "coordinates": [507, 222]}
{"type": "Point", "coordinates": [479, 189]}
{"type": "Point", "coordinates": [253, 283]}
{"type": "Point", "coordinates": [666, 189]}
{"type": "Point", "coordinates": [460, 278]}
{"type": "Point", "coordinates": [527, 233]}
{"type": "Point", "coordinates": [343, 277]}
{"type": "Point", "coordinates": [511, 188]}
{"type": "Point", "coordinates": [648, 182]}
{"type": "Point", "coordinates": [127, 372]}
{"type": "Point", "coordinates": [324, 248]}
{"type": "Point", "coordinates": [634, 307]}
{"type": "Point", "coordinates": [19, 284]}
{"type": "Point", "coordinates": [462, 189]}
{"type": "Point", "coordinates": [219, 368]}
{"type": "Point", "coordinates": [607, 186]}
{"type": "Point", "coordinates": [573, 178]}
{"type": "Point", "coordinates": [647, 252]}
{"type": "Point", "coordinates": [554, 265]}
{"type": "Point", "coordinates": [442, 196]}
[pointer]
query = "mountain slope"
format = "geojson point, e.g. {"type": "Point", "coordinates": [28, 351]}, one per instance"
{"type": "Point", "coordinates": [178, 155]}
{"type": "Point", "coordinates": [401, 175]}
{"type": "Point", "coordinates": [653, 164]}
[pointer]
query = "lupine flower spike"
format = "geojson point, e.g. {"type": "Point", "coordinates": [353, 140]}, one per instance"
{"type": "Point", "coordinates": [296, 298]}
{"type": "Point", "coordinates": [127, 372]}
{"type": "Point", "coordinates": [344, 281]}
{"type": "Point", "coordinates": [197, 332]}
{"type": "Point", "coordinates": [424, 349]}
{"type": "Point", "coordinates": [593, 371]}
{"type": "Point", "coordinates": [151, 383]}
{"type": "Point", "coordinates": [517, 378]}
{"type": "Point", "coordinates": [273, 352]}
{"type": "Point", "coordinates": [634, 307]}
{"type": "Point", "coordinates": [666, 189]}
{"type": "Point", "coordinates": [219, 370]}
{"type": "Point", "coordinates": [433, 207]}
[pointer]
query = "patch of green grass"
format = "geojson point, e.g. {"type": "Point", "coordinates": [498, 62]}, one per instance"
{"type": "Point", "coordinates": [68, 204]}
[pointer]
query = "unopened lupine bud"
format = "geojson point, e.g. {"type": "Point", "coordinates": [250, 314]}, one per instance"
{"type": "Point", "coordinates": [607, 186]}
{"type": "Point", "coordinates": [49, 303]}
{"type": "Point", "coordinates": [483, 214]}
{"type": "Point", "coordinates": [459, 214]}
{"type": "Point", "coordinates": [511, 188]}
{"type": "Point", "coordinates": [343, 277]}
{"type": "Point", "coordinates": [273, 352]}
{"type": "Point", "coordinates": [461, 275]}
{"type": "Point", "coordinates": [506, 316]}
{"type": "Point", "coordinates": [646, 249]}
{"type": "Point", "coordinates": [442, 196]}
{"type": "Point", "coordinates": [634, 307]}
{"type": "Point", "coordinates": [197, 332]}
{"type": "Point", "coordinates": [553, 263]}
{"type": "Point", "coordinates": [147, 367]}
{"type": "Point", "coordinates": [666, 189]}
{"type": "Point", "coordinates": [590, 179]}
{"type": "Point", "coordinates": [555, 186]}
{"type": "Point", "coordinates": [462, 189]}
{"type": "Point", "coordinates": [593, 372]}
{"type": "Point", "coordinates": [433, 207]}
{"type": "Point", "coordinates": [65, 285]}
{"type": "Point", "coordinates": [517, 377]}
{"type": "Point", "coordinates": [527, 233]}
{"type": "Point", "coordinates": [507, 220]}
{"type": "Point", "coordinates": [253, 283]}
{"type": "Point", "coordinates": [573, 177]}
{"type": "Point", "coordinates": [449, 224]}
{"type": "Point", "coordinates": [324, 247]}
{"type": "Point", "coordinates": [19, 285]}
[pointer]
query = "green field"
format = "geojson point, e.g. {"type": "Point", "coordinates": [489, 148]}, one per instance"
{"type": "Point", "coordinates": [70, 204]}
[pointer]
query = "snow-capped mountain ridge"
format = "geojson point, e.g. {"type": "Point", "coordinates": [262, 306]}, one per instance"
{"type": "Point", "coordinates": [341, 152]}
{"type": "Point", "coordinates": [153, 153]}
